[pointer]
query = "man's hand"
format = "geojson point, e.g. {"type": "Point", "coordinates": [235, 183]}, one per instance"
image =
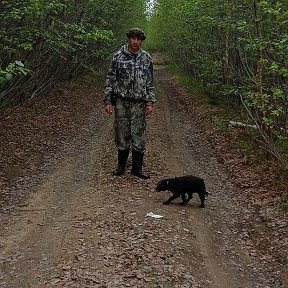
{"type": "Point", "coordinates": [149, 110]}
{"type": "Point", "coordinates": [109, 109]}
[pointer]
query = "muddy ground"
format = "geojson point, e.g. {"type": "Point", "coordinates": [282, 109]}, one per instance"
{"type": "Point", "coordinates": [66, 222]}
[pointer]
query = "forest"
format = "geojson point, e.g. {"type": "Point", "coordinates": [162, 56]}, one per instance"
{"type": "Point", "coordinates": [236, 50]}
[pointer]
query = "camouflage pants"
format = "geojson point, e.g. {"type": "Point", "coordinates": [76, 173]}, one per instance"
{"type": "Point", "coordinates": [130, 125]}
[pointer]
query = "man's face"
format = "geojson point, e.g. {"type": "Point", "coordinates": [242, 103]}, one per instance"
{"type": "Point", "coordinates": [135, 43]}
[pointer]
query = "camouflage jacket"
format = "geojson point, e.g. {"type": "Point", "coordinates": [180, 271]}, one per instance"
{"type": "Point", "coordinates": [130, 76]}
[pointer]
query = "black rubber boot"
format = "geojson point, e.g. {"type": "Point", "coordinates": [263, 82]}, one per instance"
{"type": "Point", "coordinates": [122, 160]}
{"type": "Point", "coordinates": [137, 163]}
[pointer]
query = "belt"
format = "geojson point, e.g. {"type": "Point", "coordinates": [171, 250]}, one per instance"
{"type": "Point", "coordinates": [132, 99]}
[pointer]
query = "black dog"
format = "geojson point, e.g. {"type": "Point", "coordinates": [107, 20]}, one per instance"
{"type": "Point", "coordinates": [179, 186]}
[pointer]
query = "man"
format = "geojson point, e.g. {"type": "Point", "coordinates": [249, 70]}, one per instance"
{"type": "Point", "coordinates": [130, 83]}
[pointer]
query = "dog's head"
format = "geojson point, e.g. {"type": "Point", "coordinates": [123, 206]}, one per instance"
{"type": "Point", "coordinates": [162, 185]}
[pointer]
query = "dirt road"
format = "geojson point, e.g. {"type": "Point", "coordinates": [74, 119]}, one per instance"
{"type": "Point", "coordinates": [79, 227]}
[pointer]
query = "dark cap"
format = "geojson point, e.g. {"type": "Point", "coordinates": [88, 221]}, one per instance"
{"type": "Point", "coordinates": [136, 32]}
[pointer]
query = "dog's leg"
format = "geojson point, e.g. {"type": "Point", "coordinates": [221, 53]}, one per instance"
{"type": "Point", "coordinates": [183, 199]}
{"type": "Point", "coordinates": [174, 196]}
{"type": "Point", "coordinates": [202, 199]}
{"type": "Point", "coordinates": [190, 195]}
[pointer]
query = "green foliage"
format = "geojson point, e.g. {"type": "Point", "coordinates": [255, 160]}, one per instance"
{"type": "Point", "coordinates": [58, 39]}
{"type": "Point", "coordinates": [237, 49]}
{"type": "Point", "coordinates": [192, 84]}
{"type": "Point", "coordinates": [12, 70]}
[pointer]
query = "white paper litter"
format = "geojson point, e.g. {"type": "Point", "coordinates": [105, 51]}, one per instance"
{"type": "Point", "coordinates": [151, 214]}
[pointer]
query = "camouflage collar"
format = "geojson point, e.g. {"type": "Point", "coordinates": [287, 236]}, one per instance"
{"type": "Point", "coordinates": [125, 49]}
